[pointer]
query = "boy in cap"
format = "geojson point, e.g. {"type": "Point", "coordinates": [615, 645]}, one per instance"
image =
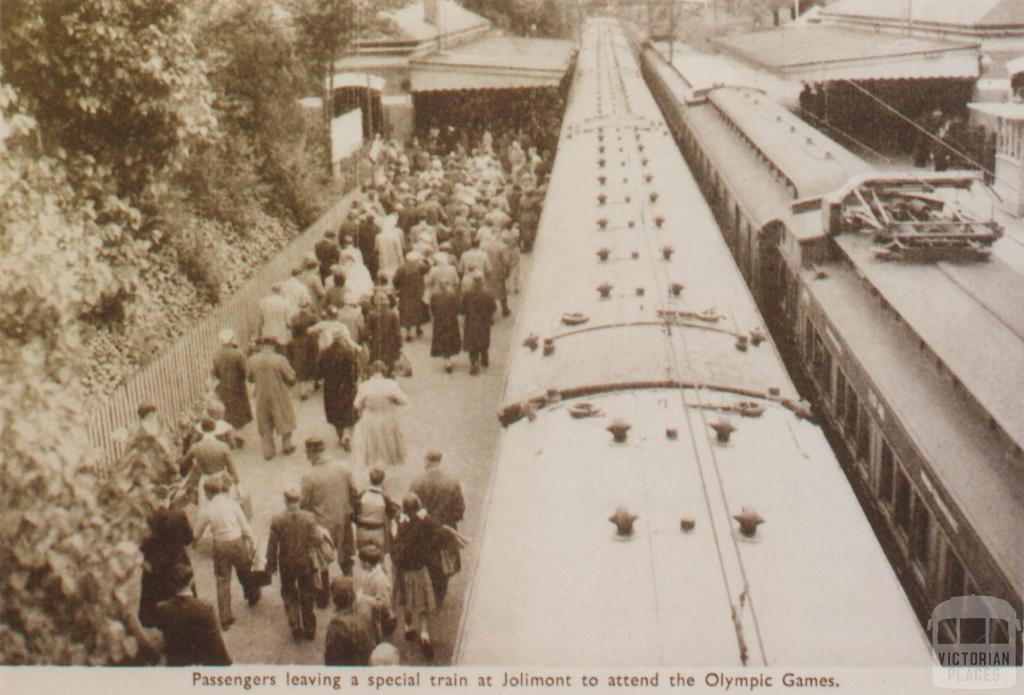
{"type": "Point", "coordinates": [373, 584]}
{"type": "Point", "coordinates": [350, 636]}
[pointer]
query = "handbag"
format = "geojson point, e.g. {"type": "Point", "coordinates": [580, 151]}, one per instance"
{"type": "Point", "coordinates": [450, 562]}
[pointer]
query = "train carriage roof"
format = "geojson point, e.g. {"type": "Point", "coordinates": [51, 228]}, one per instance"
{"type": "Point", "coordinates": [554, 584]}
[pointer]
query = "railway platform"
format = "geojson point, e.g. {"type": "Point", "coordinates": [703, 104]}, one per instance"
{"type": "Point", "coordinates": [454, 413]}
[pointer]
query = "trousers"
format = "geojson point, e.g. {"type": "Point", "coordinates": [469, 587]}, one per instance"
{"type": "Point", "coordinates": [228, 555]}
{"type": "Point", "coordinates": [298, 593]}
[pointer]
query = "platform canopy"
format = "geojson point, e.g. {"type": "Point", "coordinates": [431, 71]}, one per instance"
{"type": "Point", "coordinates": [343, 80]}
{"type": "Point", "coordinates": [822, 54]}
{"type": "Point", "coordinates": [494, 62]}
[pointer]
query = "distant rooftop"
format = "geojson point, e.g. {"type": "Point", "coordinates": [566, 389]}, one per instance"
{"type": "Point", "coordinates": [829, 52]}
{"type": "Point", "coordinates": [428, 20]}
{"type": "Point", "coordinates": [968, 14]}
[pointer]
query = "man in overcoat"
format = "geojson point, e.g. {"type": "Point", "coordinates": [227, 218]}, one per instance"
{"type": "Point", "coordinates": [478, 306]}
{"type": "Point", "coordinates": [441, 495]}
{"type": "Point", "coordinates": [498, 255]}
{"type": "Point", "coordinates": [330, 493]}
{"type": "Point", "coordinates": [293, 534]}
{"type": "Point", "coordinates": [272, 375]}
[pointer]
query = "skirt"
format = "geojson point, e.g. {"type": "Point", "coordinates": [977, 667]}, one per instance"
{"type": "Point", "coordinates": [413, 592]}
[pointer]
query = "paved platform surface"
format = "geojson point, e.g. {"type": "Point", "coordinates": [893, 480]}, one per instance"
{"type": "Point", "coordinates": [455, 413]}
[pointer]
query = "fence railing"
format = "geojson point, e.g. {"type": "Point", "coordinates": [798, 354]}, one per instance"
{"type": "Point", "coordinates": [177, 379]}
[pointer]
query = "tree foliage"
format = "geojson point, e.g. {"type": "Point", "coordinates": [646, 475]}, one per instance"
{"type": "Point", "coordinates": [68, 541]}
{"type": "Point", "coordinates": [118, 80]}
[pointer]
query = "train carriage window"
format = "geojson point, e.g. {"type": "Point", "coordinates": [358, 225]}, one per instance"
{"type": "Point", "coordinates": [852, 411]}
{"type": "Point", "coordinates": [840, 396]}
{"type": "Point", "coordinates": [863, 436]}
{"type": "Point", "coordinates": [886, 468]}
{"type": "Point", "coordinates": [955, 579]}
{"type": "Point", "coordinates": [920, 533]}
{"type": "Point", "coordinates": [902, 504]}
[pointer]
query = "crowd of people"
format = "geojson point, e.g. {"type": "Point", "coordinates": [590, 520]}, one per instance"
{"type": "Point", "coordinates": [434, 242]}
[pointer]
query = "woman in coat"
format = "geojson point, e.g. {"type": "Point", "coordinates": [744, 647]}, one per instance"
{"type": "Point", "coordinates": [378, 437]}
{"type": "Point", "coordinates": [446, 339]}
{"type": "Point", "coordinates": [383, 336]}
{"type": "Point", "coordinates": [229, 371]}
{"type": "Point", "coordinates": [163, 551]}
{"type": "Point", "coordinates": [409, 283]}
{"type": "Point", "coordinates": [303, 347]}
{"type": "Point", "coordinates": [339, 369]}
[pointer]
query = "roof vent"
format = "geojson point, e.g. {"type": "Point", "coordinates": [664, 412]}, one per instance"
{"type": "Point", "coordinates": [623, 520]}
{"type": "Point", "coordinates": [723, 430]}
{"type": "Point", "coordinates": [619, 429]}
{"type": "Point", "coordinates": [749, 520]}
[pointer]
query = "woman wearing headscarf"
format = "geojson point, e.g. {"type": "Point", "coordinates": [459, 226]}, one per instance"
{"type": "Point", "coordinates": [339, 369]}
{"type": "Point", "coordinates": [357, 277]}
{"type": "Point", "coordinates": [378, 436]}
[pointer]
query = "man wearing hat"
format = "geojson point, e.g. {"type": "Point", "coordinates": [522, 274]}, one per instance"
{"type": "Point", "coordinates": [229, 371]}
{"type": "Point", "coordinates": [441, 496]}
{"type": "Point", "coordinates": [327, 253]}
{"type": "Point", "coordinates": [478, 306]}
{"type": "Point", "coordinates": [389, 247]}
{"type": "Point", "coordinates": [293, 534]}
{"type": "Point", "coordinates": [148, 454]}
{"type": "Point", "coordinates": [330, 493]}
{"type": "Point", "coordinates": [272, 375]}
{"type": "Point", "coordinates": [233, 546]}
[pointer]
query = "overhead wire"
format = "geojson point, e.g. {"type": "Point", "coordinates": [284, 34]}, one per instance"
{"type": "Point", "coordinates": [745, 596]}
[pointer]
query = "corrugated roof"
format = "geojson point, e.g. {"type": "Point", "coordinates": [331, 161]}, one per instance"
{"type": "Point", "coordinates": [963, 13]}
{"type": "Point", "coordinates": [494, 62]}
{"type": "Point", "coordinates": [852, 54]}
{"type": "Point", "coordinates": [511, 52]}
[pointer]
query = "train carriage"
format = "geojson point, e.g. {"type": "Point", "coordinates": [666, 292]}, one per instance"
{"type": "Point", "coordinates": [893, 307]}
{"type": "Point", "coordinates": [643, 385]}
